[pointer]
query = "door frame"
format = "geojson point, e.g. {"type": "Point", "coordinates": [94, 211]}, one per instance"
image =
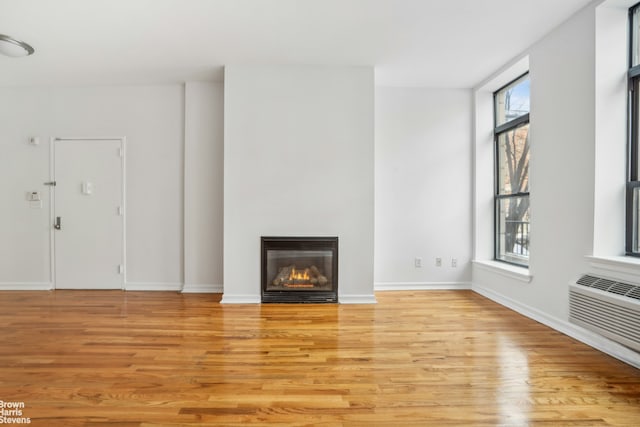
{"type": "Point", "coordinates": [52, 198]}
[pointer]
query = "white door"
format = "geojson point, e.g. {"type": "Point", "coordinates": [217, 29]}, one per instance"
{"type": "Point", "coordinates": [88, 213]}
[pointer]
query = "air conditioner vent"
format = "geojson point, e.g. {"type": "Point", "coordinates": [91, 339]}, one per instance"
{"type": "Point", "coordinates": [587, 280]}
{"type": "Point", "coordinates": [608, 307]}
{"type": "Point", "coordinates": [634, 293]}
{"type": "Point", "coordinates": [621, 288]}
{"type": "Point", "coordinates": [603, 284]}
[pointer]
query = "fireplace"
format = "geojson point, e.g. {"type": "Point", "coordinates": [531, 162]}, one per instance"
{"type": "Point", "coordinates": [299, 269]}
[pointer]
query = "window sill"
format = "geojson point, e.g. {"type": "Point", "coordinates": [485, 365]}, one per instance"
{"type": "Point", "coordinates": [620, 267]}
{"type": "Point", "coordinates": [511, 271]}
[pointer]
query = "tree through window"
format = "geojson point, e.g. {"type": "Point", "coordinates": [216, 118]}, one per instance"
{"type": "Point", "coordinates": [512, 216]}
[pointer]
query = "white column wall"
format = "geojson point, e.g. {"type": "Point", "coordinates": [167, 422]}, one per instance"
{"type": "Point", "coordinates": [298, 161]}
{"type": "Point", "coordinates": [203, 187]}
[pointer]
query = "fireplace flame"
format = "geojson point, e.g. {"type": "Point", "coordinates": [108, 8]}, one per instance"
{"type": "Point", "coordinates": [291, 277]}
{"type": "Point", "coordinates": [299, 274]}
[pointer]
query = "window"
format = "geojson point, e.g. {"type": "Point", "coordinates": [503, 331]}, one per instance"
{"type": "Point", "coordinates": [633, 181]}
{"type": "Point", "coordinates": [511, 133]}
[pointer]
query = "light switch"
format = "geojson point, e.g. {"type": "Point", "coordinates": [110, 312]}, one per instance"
{"type": "Point", "coordinates": [87, 187]}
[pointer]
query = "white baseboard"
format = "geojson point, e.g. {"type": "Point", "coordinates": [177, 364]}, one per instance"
{"type": "Point", "coordinates": [357, 299]}
{"type": "Point", "coordinates": [585, 336]}
{"type": "Point", "coordinates": [152, 286]}
{"type": "Point", "coordinates": [240, 299]}
{"type": "Point", "coordinates": [202, 288]}
{"type": "Point", "coordinates": [26, 286]}
{"type": "Point", "coordinates": [420, 286]}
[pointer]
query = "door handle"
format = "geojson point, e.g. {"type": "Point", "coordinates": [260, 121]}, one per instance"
{"type": "Point", "coordinates": [58, 224]}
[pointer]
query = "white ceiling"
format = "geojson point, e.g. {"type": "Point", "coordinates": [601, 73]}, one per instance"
{"type": "Point", "coordinates": [434, 43]}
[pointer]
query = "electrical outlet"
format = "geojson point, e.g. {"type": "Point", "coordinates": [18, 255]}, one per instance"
{"type": "Point", "coordinates": [438, 262]}
{"type": "Point", "coordinates": [454, 262]}
{"type": "Point", "coordinates": [417, 262]}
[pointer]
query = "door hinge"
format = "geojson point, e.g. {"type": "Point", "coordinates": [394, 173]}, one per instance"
{"type": "Point", "coordinates": [51, 183]}
{"type": "Point", "coordinates": [120, 210]}
{"type": "Point", "coordinates": [120, 269]}
{"type": "Point", "coordinates": [120, 152]}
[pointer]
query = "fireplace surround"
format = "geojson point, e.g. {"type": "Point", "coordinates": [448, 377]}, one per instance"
{"type": "Point", "coordinates": [299, 269]}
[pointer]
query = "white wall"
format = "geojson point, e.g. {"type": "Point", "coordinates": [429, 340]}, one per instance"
{"type": "Point", "coordinates": [24, 232]}
{"type": "Point", "coordinates": [611, 129]}
{"type": "Point", "coordinates": [152, 120]}
{"type": "Point", "coordinates": [561, 171]}
{"type": "Point", "coordinates": [576, 173]}
{"type": "Point", "coordinates": [299, 160]}
{"type": "Point", "coordinates": [562, 161]}
{"type": "Point", "coordinates": [203, 186]}
{"type": "Point", "coordinates": [423, 176]}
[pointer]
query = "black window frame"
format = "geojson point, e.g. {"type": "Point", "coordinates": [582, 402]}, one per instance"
{"type": "Point", "coordinates": [633, 134]}
{"type": "Point", "coordinates": [498, 130]}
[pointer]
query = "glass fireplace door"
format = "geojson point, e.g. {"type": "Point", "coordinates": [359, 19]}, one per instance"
{"type": "Point", "coordinates": [299, 269]}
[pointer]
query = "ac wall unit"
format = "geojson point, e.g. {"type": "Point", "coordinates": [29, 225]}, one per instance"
{"type": "Point", "coordinates": [608, 307]}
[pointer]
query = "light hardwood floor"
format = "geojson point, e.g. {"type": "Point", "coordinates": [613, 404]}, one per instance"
{"type": "Point", "coordinates": [433, 358]}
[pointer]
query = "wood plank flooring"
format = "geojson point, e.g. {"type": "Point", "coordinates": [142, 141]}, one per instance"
{"type": "Point", "coordinates": [434, 358]}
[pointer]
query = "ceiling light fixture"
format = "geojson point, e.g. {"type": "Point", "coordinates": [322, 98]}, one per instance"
{"type": "Point", "coordinates": [14, 48]}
